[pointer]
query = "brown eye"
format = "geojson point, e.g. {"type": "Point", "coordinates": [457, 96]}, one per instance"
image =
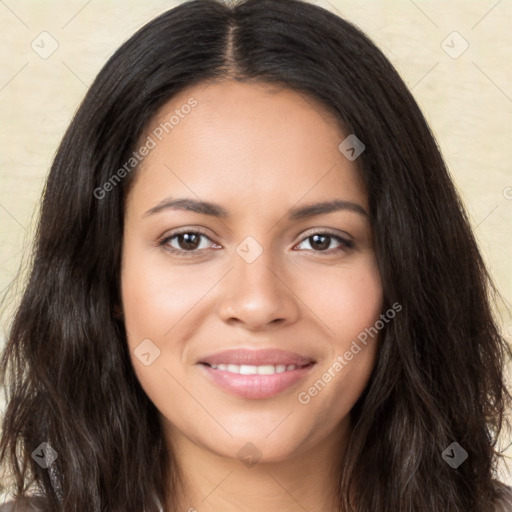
{"type": "Point", "coordinates": [186, 242]}
{"type": "Point", "coordinates": [321, 242]}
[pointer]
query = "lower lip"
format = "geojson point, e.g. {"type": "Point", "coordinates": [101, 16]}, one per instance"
{"type": "Point", "coordinates": [255, 386]}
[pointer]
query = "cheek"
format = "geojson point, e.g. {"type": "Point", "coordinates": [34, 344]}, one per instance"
{"type": "Point", "coordinates": [349, 303]}
{"type": "Point", "coordinates": [158, 302]}
{"type": "Point", "coordinates": [156, 298]}
{"type": "Point", "coordinates": [346, 299]}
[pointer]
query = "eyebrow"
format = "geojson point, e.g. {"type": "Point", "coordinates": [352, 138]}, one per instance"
{"type": "Point", "coordinates": [297, 213]}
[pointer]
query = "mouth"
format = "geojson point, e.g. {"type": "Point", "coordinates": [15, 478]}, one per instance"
{"type": "Point", "coordinates": [245, 369]}
{"type": "Point", "coordinates": [256, 374]}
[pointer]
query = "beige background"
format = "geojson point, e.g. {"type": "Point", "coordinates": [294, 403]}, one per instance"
{"type": "Point", "coordinates": [466, 98]}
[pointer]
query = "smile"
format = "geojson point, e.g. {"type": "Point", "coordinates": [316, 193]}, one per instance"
{"type": "Point", "coordinates": [244, 369]}
{"type": "Point", "coordinates": [255, 382]}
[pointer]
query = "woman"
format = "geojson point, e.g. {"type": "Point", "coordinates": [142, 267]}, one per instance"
{"type": "Point", "coordinates": [254, 286]}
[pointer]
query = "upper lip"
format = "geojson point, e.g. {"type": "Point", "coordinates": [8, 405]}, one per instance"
{"type": "Point", "coordinates": [257, 357]}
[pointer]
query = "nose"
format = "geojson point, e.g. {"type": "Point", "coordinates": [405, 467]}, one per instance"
{"type": "Point", "coordinates": [258, 295]}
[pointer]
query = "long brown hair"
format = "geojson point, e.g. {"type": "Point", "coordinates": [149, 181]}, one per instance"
{"type": "Point", "coordinates": [438, 378]}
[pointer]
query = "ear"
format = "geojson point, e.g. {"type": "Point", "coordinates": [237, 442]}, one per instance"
{"type": "Point", "coordinates": [118, 312]}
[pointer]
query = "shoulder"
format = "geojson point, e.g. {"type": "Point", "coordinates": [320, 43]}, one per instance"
{"type": "Point", "coordinates": [504, 500]}
{"type": "Point", "coordinates": [28, 504]}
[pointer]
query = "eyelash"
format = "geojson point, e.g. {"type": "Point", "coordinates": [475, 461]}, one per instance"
{"type": "Point", "coordinates": [345, 245]}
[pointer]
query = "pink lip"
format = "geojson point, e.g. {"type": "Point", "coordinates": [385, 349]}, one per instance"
{"type": "Point", "coordinates": [256, 386]}
{"type": "Point", "coordinates": [257, 357]}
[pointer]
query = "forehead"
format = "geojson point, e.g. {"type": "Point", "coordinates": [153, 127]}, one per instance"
{"type": "Point", "coordinates": [255, 139]}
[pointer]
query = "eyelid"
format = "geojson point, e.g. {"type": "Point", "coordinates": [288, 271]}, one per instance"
{"type": "Point", "coordinates": [327, 231]}
{"type": "Point", "coordinates": [346, 242]}
{"type": "Point", "coordinates": [162, 241]}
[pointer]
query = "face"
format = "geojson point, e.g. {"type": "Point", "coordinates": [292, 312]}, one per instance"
{"type": "Point", "coordinates": [239, 296]}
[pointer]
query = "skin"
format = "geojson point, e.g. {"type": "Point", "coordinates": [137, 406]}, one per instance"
{"type": "Point", "coordinates": [257, 151]}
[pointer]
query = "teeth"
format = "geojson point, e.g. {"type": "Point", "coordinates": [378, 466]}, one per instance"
{"type": "Point", "coordinates": [244, 369]}
{"type": "Point", "coordinates": [248, 370]}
